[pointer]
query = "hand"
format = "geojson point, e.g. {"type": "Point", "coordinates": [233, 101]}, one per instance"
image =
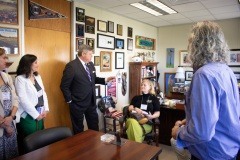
{"type": "Point", "coordinates": [110, 78]}
{"type": "Point", "coordinates": [174, 131]}
{"type": "Point", "coordinates": [9, 131]}
{"type": "Point", "coordinates": [44, 114]}
{"type": "Point", "coordinates": [40, 117]}
{"type": "Point", "coordinates": [7, 120]}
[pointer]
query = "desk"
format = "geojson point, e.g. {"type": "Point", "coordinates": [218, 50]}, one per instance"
{"type": "Point", "coordinates": [87, 145]}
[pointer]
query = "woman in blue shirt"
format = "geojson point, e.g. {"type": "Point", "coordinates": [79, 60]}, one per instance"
{"type": "Point", "coordinates": [212, 108]}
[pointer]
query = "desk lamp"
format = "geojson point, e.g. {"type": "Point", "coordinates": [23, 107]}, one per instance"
{"type": "Point", "coordinates": [180, 74]}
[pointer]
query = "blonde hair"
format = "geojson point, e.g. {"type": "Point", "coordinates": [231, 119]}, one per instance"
{"type": "Point", "coordinates": [150, 83]}
{"type": "Point", "coordinates": [206, 44]}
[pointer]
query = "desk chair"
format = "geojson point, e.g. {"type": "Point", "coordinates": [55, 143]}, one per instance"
{"type": "Point", "coordinates": [45, 137]}
{"type": "Point", "coordinates": [150, 137]}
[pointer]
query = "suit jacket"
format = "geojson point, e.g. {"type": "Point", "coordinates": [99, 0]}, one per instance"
{"type": "Point", "coordinates": [76, 86]}
{"type": "Point", "coordinates": [8, 80]}
{"type": "Point", "coordinates": [28, 96]}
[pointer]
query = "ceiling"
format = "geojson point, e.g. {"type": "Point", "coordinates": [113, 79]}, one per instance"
{"type": "Point", "coordinates": [189, 11]}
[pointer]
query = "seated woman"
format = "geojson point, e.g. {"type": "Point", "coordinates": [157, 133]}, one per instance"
{"type": "Point", "coordinates": [147, 102]}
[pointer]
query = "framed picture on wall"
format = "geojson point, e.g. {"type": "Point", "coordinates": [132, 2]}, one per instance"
{"type": "Point", "coordinates": [97, 89]}
{"type": "Point", "coordinates": [119, 43]}
{"type": "Point", "coordinates": [105, 61]}
{"type": "Point", "coordinates": [110, 26]}
{"type": "Point", "coordinates": [9, 11]}
{"type": "Point", "coordinates": [102, 26]}
{"type": "Point", "coordinates": [80, 14]}
{"type": "Point", "coordinates": [188, 75]}
{"type": "Point", "coordinates": [80, 30]}
{"type": "Point", "coordinates": [119, 29]}
{"type": "Point", "coordinates": [130, 32]}
{"type": "Point", "coordinates": [183, 58]}
{"type": "Point", "coordinates": [119, 60]}
{"type": "Point", "coordinates": [233, 59]}
{"type": "Point", "coordinates": [89, 25]}
{"type": "Point", "coordinates": [105, 41]}
{"type": "Point", "coordinates": [90, 42]}
{"type": "Point", "coordinates": [9, 40]}
{"type": "Point", "coordinates": [169, 82]}
{"type": "Point", "coordinates": [129, 44]}
{"type": "Point", "coordinates": [79, 42]}
{"type": "Point", "coordinates": [96, 61]}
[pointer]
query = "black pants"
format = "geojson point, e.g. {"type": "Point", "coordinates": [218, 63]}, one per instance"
{"type": "Point", "coordinates": [77, 114]}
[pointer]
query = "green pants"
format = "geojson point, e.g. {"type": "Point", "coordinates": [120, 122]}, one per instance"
{"type": "Point", "coordinates": [135, 131]}
{"type": "Point", "coordinates": [30, 125]}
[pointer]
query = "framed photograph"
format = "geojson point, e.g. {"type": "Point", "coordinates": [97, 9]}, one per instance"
{"type": "Point", "coordinates": [119, 29]}
{"type": "Point", "coordinates": [96, 60]}
{"type": "Point", "coordinates": [9, 40]}
{"type": "Point", "coordinates": [187, 83]}
{"type": "Point", "coordinates": [129, 44]}
{"type": "Point", "coordinates": [105, 41]}
{"type": "Point", "coordinates": [169, 82]}
{"type": "Point", "coordinates": [97, 90]}
{"type": "Point", "coordinates": [89, 25]}
{"type": "Point", "coordinates": [175, 89]}
{"type": "Point", "coordinates": [188, 75]}
{"type": "Point", "coordinates": [145, 43]}
{"type": "Point", "coordinates": [80, 14]}
{"type": "Point", "coordinates": [9, 11]}
{"type": "Point", "coordinates": [181, 90]}
{"type": "Point", "coordinates": [183, 58]}
{"type": "Point", "coordinates": [90, 42]}
{"type": "Point", "coordinates": [79, 42]}
{"type": "Point", "coordinates": [110, 26]}
{"type": "Point", "coordinates": [119, 60]}
{"type": "Point", "coordinates": [102, 26]}
{"type": "Point", "coordinates": [80, 30]}
{"type": "Point", "coordinates": [130, 32]}
{"type": "Point", "coordinates": [233, 59]}
{"type": "Point", "coordinates": [237, 74]}
{"type": "Point", "coordinates": [119, 43]}
{"type": "Point", "coordinates": [105, 61]}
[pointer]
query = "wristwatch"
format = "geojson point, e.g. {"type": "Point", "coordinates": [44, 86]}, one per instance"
{"type": "Point", "coordinates": [13, 117]}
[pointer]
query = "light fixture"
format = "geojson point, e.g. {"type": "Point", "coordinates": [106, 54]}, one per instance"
{"type": "Point", "coordinates": [180, 73]}
{"type": "Point", "coordinates": [154, 7]}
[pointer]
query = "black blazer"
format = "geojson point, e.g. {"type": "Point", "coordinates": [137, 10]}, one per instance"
{"type": "Point", "coordinates": [76, 85]}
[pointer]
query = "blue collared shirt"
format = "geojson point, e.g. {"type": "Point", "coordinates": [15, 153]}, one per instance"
{"type": "Point", "coordinates": [212, 110]}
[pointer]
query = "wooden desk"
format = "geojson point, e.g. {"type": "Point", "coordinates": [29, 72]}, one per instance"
{"type": "Point", "coordinates": [87, 145]}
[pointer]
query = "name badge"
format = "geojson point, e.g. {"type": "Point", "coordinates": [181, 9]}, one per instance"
{"type": "Point", "coordinates": [144, 106]}
{"type": "Point", "coordinates": [40, 93]}
{"type": "Point", "coordinates": [6, 95]}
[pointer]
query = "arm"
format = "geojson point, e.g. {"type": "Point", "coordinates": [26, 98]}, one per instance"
{"type": "Point", "coordinates": [67, 78]}
{"type": "Point", "coordinates": [201, 121]}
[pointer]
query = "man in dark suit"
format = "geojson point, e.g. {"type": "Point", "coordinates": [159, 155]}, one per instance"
{"type": "Point", "coordinates": [78, 87]}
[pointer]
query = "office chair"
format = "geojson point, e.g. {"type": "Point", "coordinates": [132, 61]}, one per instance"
{"type": "Point", "coordinates": [149, 137]}
{"type": "Point", "coordinates": [45, 137]}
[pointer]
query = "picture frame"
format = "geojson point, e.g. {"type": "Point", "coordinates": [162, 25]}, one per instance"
{"type": "Point", "coordinates": [79, 42]}
{"type": "Point", "coordinates": [119, 60]}
{"type": "Point", "coordinates": [169, 82]}
{"type": "Point", "coordinates": [102, 26]}
{"type": "Point", "coordinates": [130, 32]}
{"type": "Point", "coordinates": [96, 60]}
{"type": "Point", "coordinates": [90, 42]}
{"type": "Point", "coordinates": [89, 25]}
{"type": "Point", "coordinates": [9, 40]}
{"type": "Point", "coordinates": [80, 14]}
{"type": "Point", "coordinates": [119, 29]}
{"type": "Point", "coordinates": [188, 75]}
{"type": "Point", "coordinates": [233, 59]}
{"type": "Point", "coordinates": [175, 89]}
{"type": "Point", "coordinates": [9, 12]}
{"type": "Point", "coordinates": [237, 74]}
{"type": "Point", "coordinates": [129, 44]}
{"type": "Point", "coordinates": [97, 90]}
{"type": "Point", "coordinates": [110, 27]}
{"type": "Point", "coordinates": [187, 83]}
{"type": "Point", "coordinates": [145, 43]}
{"type": "Point", "coordinates": [105, 41]}
{"type": "Point", "coordinates": [183, 58]}
{"type": "Point", "coordinates": [119, 43]}
{"type": "Point", "coordinates": [80, 30]}
{"type": "Point", "coordinates": [105, 61]}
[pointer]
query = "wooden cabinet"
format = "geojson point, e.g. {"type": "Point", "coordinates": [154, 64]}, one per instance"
{"type": "Point", "coordinates": [139, 71]}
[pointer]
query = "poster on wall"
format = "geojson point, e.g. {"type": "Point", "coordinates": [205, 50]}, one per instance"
{"type": "Point", "coordinates": [170, 57]}
{"type": "Point", "coordinates": [145, 43]}
{"type": "Point", "coordinates": [9, 11]}
{"type": "Point", "coordinates": [111, 88]}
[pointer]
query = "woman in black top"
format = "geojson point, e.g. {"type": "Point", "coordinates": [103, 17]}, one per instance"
{"type": "Point", "coordinates": [146, 104]}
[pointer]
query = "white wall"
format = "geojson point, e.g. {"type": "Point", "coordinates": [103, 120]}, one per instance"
{"type": "Point", "coordinates": [138, 29]}
{"type": "Point", "coordinates": [177, 37]}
